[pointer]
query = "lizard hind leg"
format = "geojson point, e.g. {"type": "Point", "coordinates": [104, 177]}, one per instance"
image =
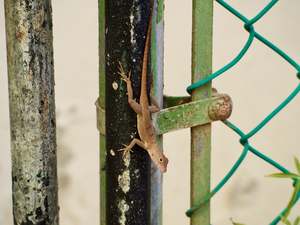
{"type": "Point", "coordinates": [126, 150]}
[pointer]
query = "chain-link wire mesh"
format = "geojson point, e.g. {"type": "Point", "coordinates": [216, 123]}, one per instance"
{"type": "Point", "coordinates": [244, 140]}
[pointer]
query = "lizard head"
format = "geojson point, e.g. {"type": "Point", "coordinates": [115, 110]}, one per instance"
{"type": "Point", "coordinates": [158, 158]}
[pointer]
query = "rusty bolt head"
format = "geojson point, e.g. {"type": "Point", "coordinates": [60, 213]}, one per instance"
{"type": "Point", "coordinates": [221, 108]}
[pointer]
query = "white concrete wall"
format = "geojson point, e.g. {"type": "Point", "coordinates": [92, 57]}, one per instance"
{"type": "Point", "coordinates": [257, 84]}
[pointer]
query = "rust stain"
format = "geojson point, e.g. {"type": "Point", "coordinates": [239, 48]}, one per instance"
{"type": "Point", "coordinates": [221, 109]}
{"type": "Point", "coordinates": [21, 35]}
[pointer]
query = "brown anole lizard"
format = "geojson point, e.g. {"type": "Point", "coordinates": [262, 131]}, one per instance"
{"type": "Point", "coordinates": [145, 128]}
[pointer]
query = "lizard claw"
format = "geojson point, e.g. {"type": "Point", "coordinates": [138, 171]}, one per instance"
{"type": "Point", "coordinates": [122, 73]}
{"type": "Point", "coordinates": [126, 150]}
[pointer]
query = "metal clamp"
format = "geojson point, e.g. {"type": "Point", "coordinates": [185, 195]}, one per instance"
{"type": "Point", "coordinates": [184, 115]}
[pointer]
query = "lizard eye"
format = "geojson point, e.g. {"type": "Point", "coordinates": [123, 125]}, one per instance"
{"type": "Point", "coordinates": [160, 159]}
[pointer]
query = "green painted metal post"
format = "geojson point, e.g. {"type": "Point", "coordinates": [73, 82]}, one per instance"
{"type": "Point", "coordinates": [101, 105]}
{"type": "Point", "coordinates": [201, 135]}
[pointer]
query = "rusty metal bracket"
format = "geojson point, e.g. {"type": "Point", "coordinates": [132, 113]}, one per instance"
{"type": "Point", "coordinates": [192, 114]}
{"type": "Point", "coordinates": [184, 115]}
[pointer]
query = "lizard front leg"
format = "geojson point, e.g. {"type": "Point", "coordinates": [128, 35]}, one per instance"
{"type": "Point", "coordinates": [129, 147]}
{"type": "Point", "coordinates": [134, 105]}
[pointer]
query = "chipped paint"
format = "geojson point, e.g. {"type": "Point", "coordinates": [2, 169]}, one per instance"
{"type": "Point", "coordinates": [124, 178]}
{"type": "Point", "coordinates": [192, 114]}
{"type": "Point", "coordinates": [134, 18]}
{"type": "Point", "coordinates": [137, 173]}
{"type": "Point", "coordinates": [112, 152]}
{"type": "Point", "coordinates": [126, 160]}
{"type": "Point", "coordinates": [124, 181]}
{"type": "Point", "coordinates": [132, 36]}
{"type": "Point", "coordinates": [124, 184]}
{"type": "Point", "coordinates": [123, 208]}
{"type": "Point", "coordinates": [115, 85]}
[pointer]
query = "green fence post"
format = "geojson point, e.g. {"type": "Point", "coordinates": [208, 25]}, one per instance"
{"type": "Point", "coordinates": [32, 111]}
{"type": "Point", "coordinates": [101, 110]}
{"type": "Point", "coordinates": [201, 135]}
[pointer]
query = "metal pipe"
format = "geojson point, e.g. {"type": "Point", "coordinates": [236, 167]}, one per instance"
{"type": "Point", "coordinates": [32, 111]}
{"type": "Point", "coordinates": [157, 54]}
{"type": "Point", "coordinates": [201, 135]}
{"type": "Point", "coordinates": [128, 184]}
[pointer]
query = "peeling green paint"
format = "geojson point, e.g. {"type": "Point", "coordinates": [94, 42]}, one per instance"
{"type": "Point", "coordinates": [192, 114]}
{"type": "Point", "coordinates": [160, 11]}
{"type": "Point", "coordinates": [183, 116]}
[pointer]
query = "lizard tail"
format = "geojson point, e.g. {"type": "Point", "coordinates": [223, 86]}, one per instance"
{"type": "Point", "coordinates": [145, 58]}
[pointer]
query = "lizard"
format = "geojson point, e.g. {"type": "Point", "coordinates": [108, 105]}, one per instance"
{"type": "Point", "coordinates": [146, 130]}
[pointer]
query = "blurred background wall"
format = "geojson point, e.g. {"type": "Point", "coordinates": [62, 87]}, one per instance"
{"type": "Point", "coordinates": [257, 84]}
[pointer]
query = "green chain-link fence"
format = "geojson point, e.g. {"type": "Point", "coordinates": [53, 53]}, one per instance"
{"type": "Point", "coordinates": [245, 137]}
